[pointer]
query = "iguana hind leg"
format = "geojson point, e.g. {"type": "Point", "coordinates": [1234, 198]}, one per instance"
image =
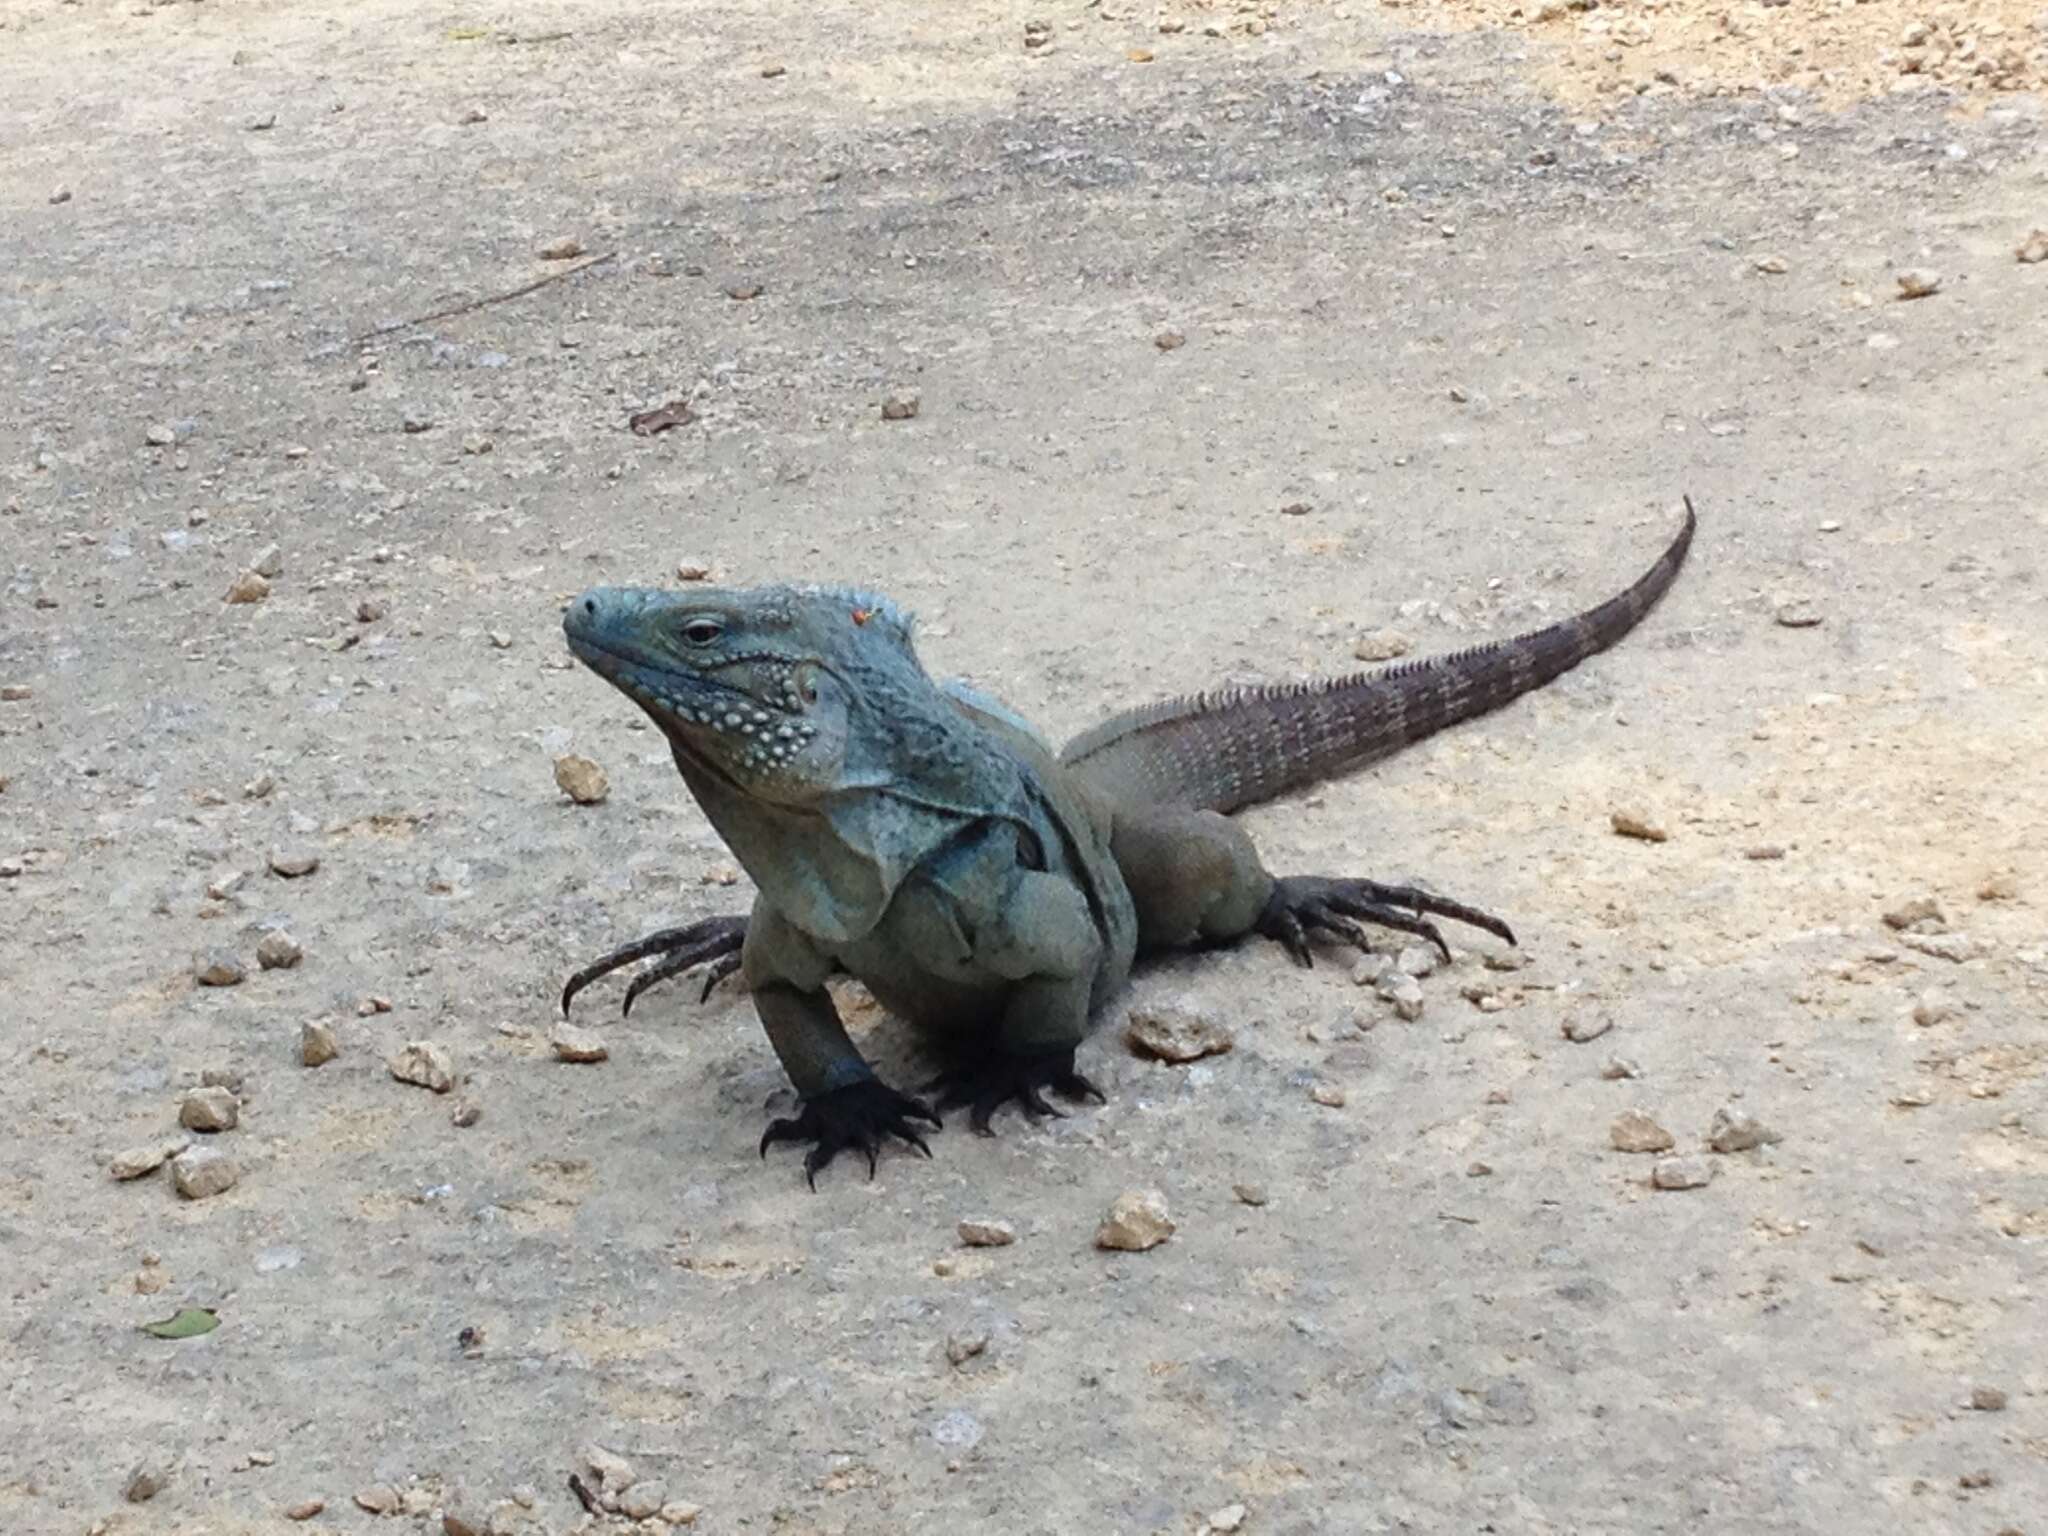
{"type": "Point", "coordinates": [713, 943]}
{"type": "Point", "coordinates": [1197, 878]}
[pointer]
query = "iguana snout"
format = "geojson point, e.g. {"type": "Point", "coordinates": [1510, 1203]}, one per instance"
{"type": "Point", "coordinates": [726, 678]}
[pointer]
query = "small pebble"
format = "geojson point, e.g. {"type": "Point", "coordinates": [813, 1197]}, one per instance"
{"type": "Point", "coordinates": [369, 610]}
{"type": "Point", "coordinates": [1176, 1034]}
{"type": "Point", "coordinates": [1296, 509]}
{"type": "Point", "coordinates": [145, 1483]}
{"type": "Point", "coordinates": [200, 1173]}
{"type": "Point", "coordinates": [961, 1348]}
{"type": "Point", "coordinates": [1998, 887]}
{"type": "Point", "coordinates": [1923, 912]}
{"type": "Point", "coordinates": [2034, 249]}
{"type": "Point", "coordinates": [741, 292]}
{"type": "Point", "coordinates": [582, 780]}
{"type": "Point", "coordinates": [1635, 1131]}
{"type": "Point", "coordinates": [159, 436]}
{"type": "Point", "coordinates": [1797, 614]}
{"type": "Point", "coordinates": [642, 1501]}
{"type": "Point", "coordinates": [16, 693]}
{"type": "Point", "coordinates": [1773, 266]}
{"type": "Point", "coordinates": [1619, 1068]}
{"type": "Point", "coordinates": [1632, 823]}
{"type": "Point", "coordinates": [424, 1064]}
{"type": "Point", "coordinates": [1918, 282]}
{"type": "Point", "coordinates": [573, 1044]}
{"type": "Point", "coordinates": [293, 863]}
{"type": "Point", "coordinates": [1980, 1478]}
{"type": "Point", "coordinates": [567, 248]}
{"type": "Point", "coordinates": [210, 1110]}
{"type": "Point", "coordinates": [986, 1232]}
{"type": "Point", "coordinates": [1478, 1170]}
{"type": "Point", "coordinates": [1137, 1220]}
{"type": "Point", "coordinates": [1934, 1006]}
{"type": "Point", "coordinates": [680, 1512]}
{"type": "Point", "coordinates": [413, 423]}
{"type": "Point", "coordinates": [1169, 341]}
{"type": "Point", "coordinates": [1381, 645]}
{"type": "Point", "coordinates": [476, 445]}
{"type": "Point", "coordinates": [63, 195]}
{"type": "Point", "coordinates": [305, 1509]}
{"type": "Point", "coordinates": [899, 407]}
{"type": "Point", "coordinates": [1736, 1130]}
{"type": "Point", "coordinates": [465, 1114]}
{"type": "Point", "coordinates": [1581, 1027]}
{"type": "Point", "coordinates": [1250, 1194]}
{"type": "Point", "coordinates": [279, 951]}
{"type": "Point", "coordinates": [1229, 1518]}
{"type": "Point", "coordinates": [1764, 852]}
{"type": "Point", "coordinates": [1682, 1173]}
{"type": "Point", "coordinates": [379, 1499]}
{"type": "Point", "coordinates": [248, 588]}
{"type": "Point", "coordinates": [1329, 1095]}
{"type": "Point", "coordinates": [1987, 1399]}
{"type": "Point", "coordinates": [693, 570]}
{"type": "Point", "coordinates": [317, 1045]}
{"type": "Point", "coordinates": [611, 1470]}
{"type": "Point", "coordinates": [134, 1162]}
{"type": "Point", "coordinates": [773, 71]}
{"type": "Point", "coordinates": [1404, 992]}
{"type": "Point", "coordinates": [269, 562]}
{"type": "Point", "coordinates": [218, 968]}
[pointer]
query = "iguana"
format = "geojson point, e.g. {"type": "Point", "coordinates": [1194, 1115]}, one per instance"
{"type": "Point", "coordinates": [926, 840]}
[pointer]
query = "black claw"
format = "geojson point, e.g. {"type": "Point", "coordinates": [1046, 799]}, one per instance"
{"type": "Point", "coordinates": [860, 1117]}
{"type": "Point", "coordinates": [1331, 908]}
{"type": "Point", "coordinates": [1072, 1085]}
{"type": "Point", "coordinates": [984, 1085]}
{"type": "Point", "coordinates": [714, 942]}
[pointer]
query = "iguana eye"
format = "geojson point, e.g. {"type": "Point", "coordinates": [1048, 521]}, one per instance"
{"type": "Point", "coordinates": [702, 631]}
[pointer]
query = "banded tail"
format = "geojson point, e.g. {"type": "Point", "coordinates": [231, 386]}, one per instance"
{"type": "Point", "coordinates": [1220, 751]}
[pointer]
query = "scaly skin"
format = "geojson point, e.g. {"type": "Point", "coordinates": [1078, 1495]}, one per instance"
{"type": "Point", "coordinates": [926, 840]}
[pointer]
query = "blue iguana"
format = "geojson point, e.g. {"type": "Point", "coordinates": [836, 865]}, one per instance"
{"type": "Point", "coordinates": [994, 892]}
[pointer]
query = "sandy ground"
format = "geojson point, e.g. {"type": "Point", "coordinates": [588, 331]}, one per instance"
{"type": "Point", "coordinates": [1487, 323]}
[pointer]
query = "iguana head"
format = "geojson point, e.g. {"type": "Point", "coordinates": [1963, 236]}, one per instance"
{"type": "Point", "coordinates": [776, 691]}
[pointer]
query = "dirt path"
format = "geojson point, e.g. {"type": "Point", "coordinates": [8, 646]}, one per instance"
{"type": "Point", "coordinates": [1486, 332]}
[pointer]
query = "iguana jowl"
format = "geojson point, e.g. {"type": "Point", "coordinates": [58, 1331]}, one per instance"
{"type": "Point", "coordinates": [925, 840]}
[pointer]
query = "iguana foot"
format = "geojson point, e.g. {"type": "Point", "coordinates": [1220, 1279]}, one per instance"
{"type": "Point", "coordinates": [860, 1116]}
{"type": "Point", "coordinates": [1305, 907]}
{"type": "Point", "coordinates": [713, 943]}
{"type": "Point", "coordinates": [988, 1082]}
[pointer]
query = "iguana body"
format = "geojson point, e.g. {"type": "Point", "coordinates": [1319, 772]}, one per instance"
{"type": "Point", "coordinates": [926, 841]}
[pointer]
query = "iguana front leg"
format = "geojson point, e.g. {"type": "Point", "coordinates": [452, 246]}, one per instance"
{"type": "Point", "coordinates": [1197, 878]}
{"type": "Point", "coordinates": [1039, 945]}
{"type": "Point", "coordinates": [845, 1106]}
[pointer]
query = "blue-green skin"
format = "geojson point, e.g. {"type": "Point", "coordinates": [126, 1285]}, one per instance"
{"type": "Point", "coordinates": [918, 837]}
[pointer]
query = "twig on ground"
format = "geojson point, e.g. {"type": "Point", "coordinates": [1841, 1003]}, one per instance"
{"type": "Point", "coordinates": [473, 304]}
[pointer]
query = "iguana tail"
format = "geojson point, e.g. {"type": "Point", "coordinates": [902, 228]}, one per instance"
{"type": "Point", "coordinates": [1236, 748]}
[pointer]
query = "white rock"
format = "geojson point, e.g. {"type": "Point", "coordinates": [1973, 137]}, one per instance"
{"type": "Point", "coordinates": [425, 1064]}
{"type": "Point", "coordinates": [200, 1173]}
{"type": "Point", "coordinates": [1176, 1034]}
{"type": "Point", "coordinates": [1137, 1220]}
{"type": "Point", "coordinates": [1635, 1131]}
